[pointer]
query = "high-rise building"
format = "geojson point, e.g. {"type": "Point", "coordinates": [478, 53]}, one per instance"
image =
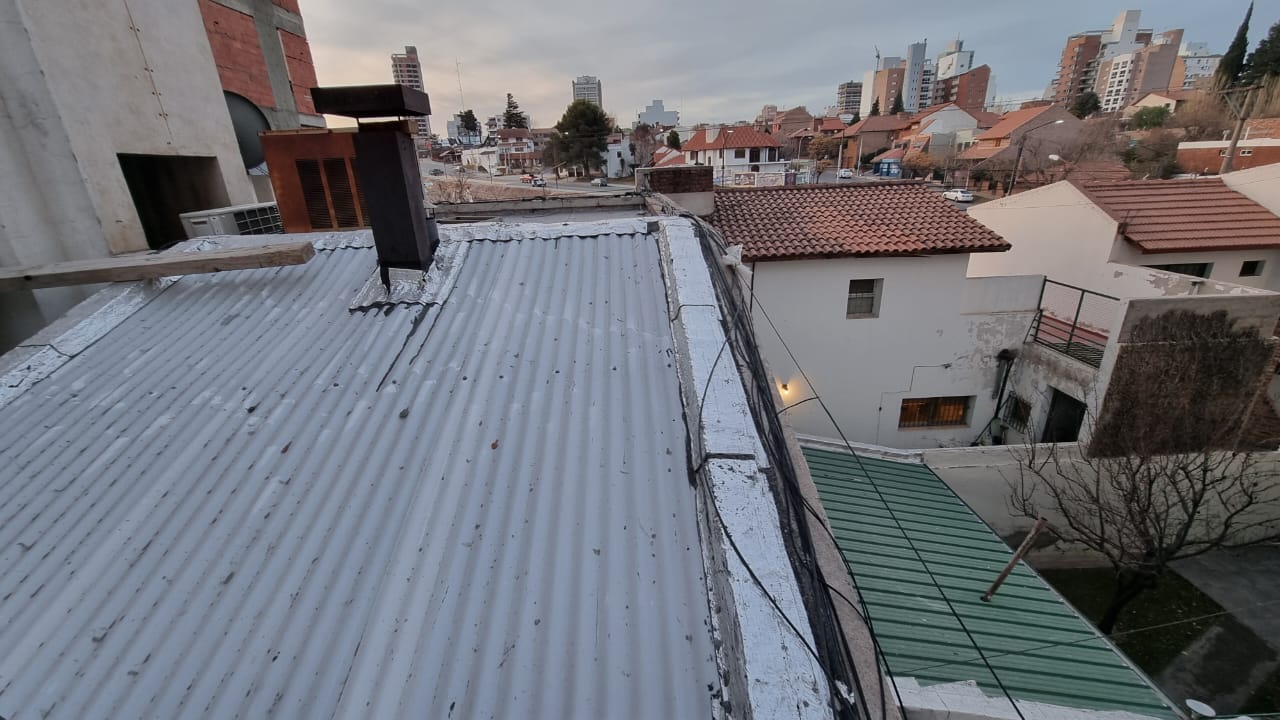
{"type": "Point", "coordinates": [1083, 52]}
{"type": "Point", "coordinates": [1195, 63]}
{"type": "Point", "coordinates": [848, 98]}
{"type": "Point", "coordinates": [588, 87]}
{"type": "Point", "coordinates": [657, 114]}
{"type": "Point", "coordinates": [917, 78]}
{"type": "Point", "coordinates": [407, 70]}
{"type": "Point", "coordinates": [955, 60]}
{"type": "Point", "coordinates": [968, 90]}
{"type": "Point", "coordinates": [883, 84]}
{"type": "Point", "coordinates": [1125, 77]}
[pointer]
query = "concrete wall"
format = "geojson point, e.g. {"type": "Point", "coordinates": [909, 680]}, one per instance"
{"type": "Point", "coordinates": [937, 335]}
{"type": "Point", "coordinates": [79, 86]}
{"type": "Point", "coordinates": [1226, 264]}
{"type": "Point", "coordinates": [1054, 230]}
{"type": "Point", "coordinates": [1261, 185]}
{"type": "Point", "coordinates": [949, 120]}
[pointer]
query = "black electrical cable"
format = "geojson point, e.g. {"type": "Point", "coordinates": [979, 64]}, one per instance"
{"type": "Point", "coordinates": [889, 509]}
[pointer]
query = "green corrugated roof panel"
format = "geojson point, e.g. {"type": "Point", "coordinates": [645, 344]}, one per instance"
{"type": "Point", "coordinates": [920, 636]}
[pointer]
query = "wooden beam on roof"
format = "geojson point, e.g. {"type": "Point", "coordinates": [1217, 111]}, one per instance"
{"type": "Point", "coordinates": [146, 267]}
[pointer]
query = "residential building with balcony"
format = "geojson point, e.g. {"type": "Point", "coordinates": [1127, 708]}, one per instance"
{"type": "Point", "coordinates": [848, 98]}
{"type": "Point", "coordinates": [1078, 65]}
{"type": "Point", "coordinates": [733, 151]}
{"type": "Point", "coordinates": [588, 87]}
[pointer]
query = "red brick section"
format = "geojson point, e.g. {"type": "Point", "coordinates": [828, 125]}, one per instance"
{"type": "Point", "coordinates": [302, 69]}
{"type": "Point", "coordinates": [290, 5]}
{"type": "Point", "coordinates": [233, 38]}
{"type": "Point", "coordinates": [687, 179]}
{"type": "Point", "coordinates": [1209, 160]}
{"type": "Point", "coordinates": [862, 220]}
{"type": "Point", "coordinates": [1180, 215]}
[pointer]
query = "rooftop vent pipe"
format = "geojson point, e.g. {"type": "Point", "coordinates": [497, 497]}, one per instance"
{"type": "Point", "coordinates": [403, 223]}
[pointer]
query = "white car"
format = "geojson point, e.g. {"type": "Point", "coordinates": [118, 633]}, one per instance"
{"type": "Point", "coordinates": [600, 182]}
{"type": "Point", "coordinates": [845, 174]}
{"type": "Point", "coordinates": [958, 195]}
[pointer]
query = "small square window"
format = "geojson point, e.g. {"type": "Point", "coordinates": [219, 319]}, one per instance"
{"type": "Point", "coordinates": [1246, 152]}
{"type": "Point", "coordinates": [1251, 268]}
{"type": "Point", "coordinates": [1017, 413]}
{"type": "Point", "coordinates": [864, 299]}
{"type": "Point", "coordinates": [740, 153]}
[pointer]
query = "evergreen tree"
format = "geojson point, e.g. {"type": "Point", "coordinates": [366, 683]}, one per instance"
{"type": "Point", "coordinates": [855, 118]}
{"type": "Point", "coordinates": [1085, 104]}
{"type": "Point", "coordinates": [875, 107]}
{"type": "Point", "coordinates": [897, 104]}
{"type": "Point", "coordinates": [1264, 62]}
{"type": "Point", "coordinates": [1232, 64]}
{"type": "Point", "coordinates": [673, 140]}
{"type": "Point", "coordinates": [582, 135]}
{"type": "Point", "coordinates": [513, 118]}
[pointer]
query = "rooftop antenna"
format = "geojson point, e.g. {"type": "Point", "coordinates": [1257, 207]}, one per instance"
{"type": "Point", "coordinates": [877, 47]}
{"type": "Point", "coordinates": [462, 102]}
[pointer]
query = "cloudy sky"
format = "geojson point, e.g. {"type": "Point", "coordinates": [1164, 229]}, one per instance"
{"type": "Point", "coordinates": [714, 60]}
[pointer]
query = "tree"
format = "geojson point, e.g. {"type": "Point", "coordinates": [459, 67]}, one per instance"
{"type": "Point", "coordinates": [922, 164]}
{"type": "Point", "coordinates": [1086, 104]}
{"type": "Point", "coordinates": [1201, 118]}
{"type": "Point", "coordinates": [673, 140]}
{"type": "Point", "coordinates": [897, 104]}
{"type": "Point", "coordinates": [820, 167]}
{"type": "Point", "coordinates": [643, 142]}
{"type": "Point", "coordinates": [512, 117]}
{"type": "Point", "coordinates": [1155, 156]}
{"type": "Point", "coordinates": [1169, 471]}
{"type": "Point", "coordinates": [1232, 65]}
{"type": "Point", "coordinates": [469, 122]}
{"type": "Point", "coordinates": [875, 107]}
{"type": "Point", "coordinates": [1151, 117]}
{"type": "Point", "coordinates": [582, 135]}
{"type": "Point", "coordinates": [855, 118]}
{"type": "Point", "coordinates": [825, 148]}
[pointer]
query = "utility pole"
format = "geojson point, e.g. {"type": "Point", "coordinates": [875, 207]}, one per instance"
{"type": "Point", "coordinates": [1241, 112]}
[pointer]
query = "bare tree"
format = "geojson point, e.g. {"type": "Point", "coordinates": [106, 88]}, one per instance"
{"type": "Point", "coordinates": [1171, 469]}
{"type": "Point", "coordinates": [1203, 117]}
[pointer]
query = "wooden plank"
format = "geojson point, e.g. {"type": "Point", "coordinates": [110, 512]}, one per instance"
{"type": "Point", "coordinates": [145, 267]}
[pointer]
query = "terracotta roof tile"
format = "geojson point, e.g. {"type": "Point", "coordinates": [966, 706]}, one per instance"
{"type": "Point", "coordinates": [1179, 215]}
{"type": "Point", "coordinates": [864, 219]}
{"type": "Point", "coordinates": [831, 124]}
{"type": "Point", "coordinates": [878, 123]}
{"type": "Point", "coordinates": [1013, 120]}
{"type": "Point", "coordinates": [741, 136]}
{"type": "Point", "coordinates": [985, 119]}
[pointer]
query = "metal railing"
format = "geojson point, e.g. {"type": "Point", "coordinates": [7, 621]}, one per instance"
{"type": "Point", "coordinates": [1074, 321]}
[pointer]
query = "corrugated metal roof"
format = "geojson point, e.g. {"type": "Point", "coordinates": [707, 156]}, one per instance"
{"type": "Point", "coordinates": [920, 636]}
{"type": "Point", "coordinates": [246, 500]}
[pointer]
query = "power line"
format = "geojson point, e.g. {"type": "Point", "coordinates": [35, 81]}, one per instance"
{"type": "Point", "coordinates": [892, 515]}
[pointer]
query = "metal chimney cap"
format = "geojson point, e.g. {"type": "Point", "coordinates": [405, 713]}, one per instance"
{"type": "Point", "coordinates": [371, 101]}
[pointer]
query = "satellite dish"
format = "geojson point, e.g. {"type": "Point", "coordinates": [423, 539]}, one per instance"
{"type": "Point", "coordinates": [1200, 710]}
{"type": "Point", "coordinates": [248, 121]}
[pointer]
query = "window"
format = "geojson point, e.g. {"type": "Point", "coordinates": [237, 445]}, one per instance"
{"type": "Point", "coordinates": [1196, 269]}
{"type": "Point", "coordinates": [1222, 153]}
{"type": "Point", "coordinates": [755, 155]}
{"type": "Point", "coordinates": [864, 299]}
{"type": "Point", "coordinates": [1246, 152]}
{"type": "Point", "coordinates": [934, 412]}
{"type": "Point", "coordinates": [1017, 413]}
{"type": "Point", "coordinates": [740, 153]}
{"type": "Point", "coordinates": [1251, 268]}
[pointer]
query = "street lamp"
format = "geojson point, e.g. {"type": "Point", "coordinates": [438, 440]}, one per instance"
{"type": "Point", "coordinates": [1017, 163]}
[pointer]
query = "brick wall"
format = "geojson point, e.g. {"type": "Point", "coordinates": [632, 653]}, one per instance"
{"type": "Point", "coordinates": [237, 53]}
{"type": "Point", "coordinates": [290, 5]}
{"type": "Point", "coordinates": [692, 179]}
{"type": "Point", "coordinates": [302, 70]}
{"type": "Point", "coordinates": [1200, 159]}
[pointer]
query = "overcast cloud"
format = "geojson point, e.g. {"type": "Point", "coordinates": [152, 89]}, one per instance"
{"type": "Point", "coordinates": [714, 60]}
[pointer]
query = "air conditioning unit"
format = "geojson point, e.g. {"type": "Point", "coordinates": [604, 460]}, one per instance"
{"type": "Point", "coordinates": [255, 219]}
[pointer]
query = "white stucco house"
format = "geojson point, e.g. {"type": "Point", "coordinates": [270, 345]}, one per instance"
{"type": "Point", "coordinates": [1224, 229]}
{"type": "Point", "coordinates": [736, 153]}
{"type": "Point", "coordinates": [618, 156]}
{"type": "Point", "coordinates": [867, 286]}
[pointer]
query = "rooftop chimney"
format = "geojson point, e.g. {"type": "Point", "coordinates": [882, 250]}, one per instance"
{"type": "Point", "coordinates": [712, 133]}
{"type": "Point", "coordinates": [404, 225]}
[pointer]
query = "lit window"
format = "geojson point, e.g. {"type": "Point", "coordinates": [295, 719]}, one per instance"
{"type": "Point", "coordinates": [864, 299]}
{"type": "Point", "coordinates": [1251, 268]}
{"type": "Point", "coordinates": [934, 412]}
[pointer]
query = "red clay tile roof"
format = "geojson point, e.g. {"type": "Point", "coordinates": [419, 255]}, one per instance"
{"type": "Point", "coordinates": [863, 219]}
{"type": "Point", "coordinates": [892, 154]}
{"type": "Point", "coordinates": [831, 124]}
{"type": "Point", "coordinates": [664, 156]}
{"type": "Point", "coordinates": [878, 123]}
{"type": "Point", "coordinates": [982, 152]}
{"type": "Point", "coordinates": [1180, 215]}
{"type": "Point", "coordinates": [985, 119]}
{"type": "Point", "coordinates": [1013, 120]}
{"type": "Point", "coordinates": [741, 136]}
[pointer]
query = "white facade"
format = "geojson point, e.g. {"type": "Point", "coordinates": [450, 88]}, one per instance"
{"type": "Point", "coordinates": [935, 334]}
{"type": "Point", "coordinates": [1199, 62]}
{"type": "Point", "coordinates": [655, 114]}
{"type": "Point", "coordinates": [1115, 77]}
{"type": "Point", "coordinates": [864, 103]}
{"type": "Point", "coordinates": [79, 88]}
{"type": "Point", "coordinates": [954, 61]}
{"type": "Point", "coordinates": [915, 78]}
{"type": "Point", "coordinates": [588, 87]}
{"type": "Point", "coordinates": [407, 70]}
{"type": "Point", "coordinates": [617, 156]}
{"type": "Point", "coordinates": [1123, 36]}
{"type": "Point", "coordinates": [1057, 231]}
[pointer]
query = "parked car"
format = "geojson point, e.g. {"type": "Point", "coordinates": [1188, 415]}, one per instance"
{"type": "Point", "coordinates": [437, 171]}
{"type": "Point", "coordinates": [538, 182]}
{"type": "Point", "coordinates": [600, 182]}
{"type": "Point", "coordinates": [845, 174]}
{"type": "Point", "coordinates": [958, 195]}
{"type": "Point", "coordinates": [527, 177]}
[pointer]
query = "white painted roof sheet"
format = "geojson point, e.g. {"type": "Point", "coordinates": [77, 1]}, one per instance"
{"type": "Point", "coordinates": [246, 500]}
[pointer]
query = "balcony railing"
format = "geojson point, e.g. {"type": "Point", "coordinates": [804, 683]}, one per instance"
{"type": "Point", "coordinates": [1074, 321]}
